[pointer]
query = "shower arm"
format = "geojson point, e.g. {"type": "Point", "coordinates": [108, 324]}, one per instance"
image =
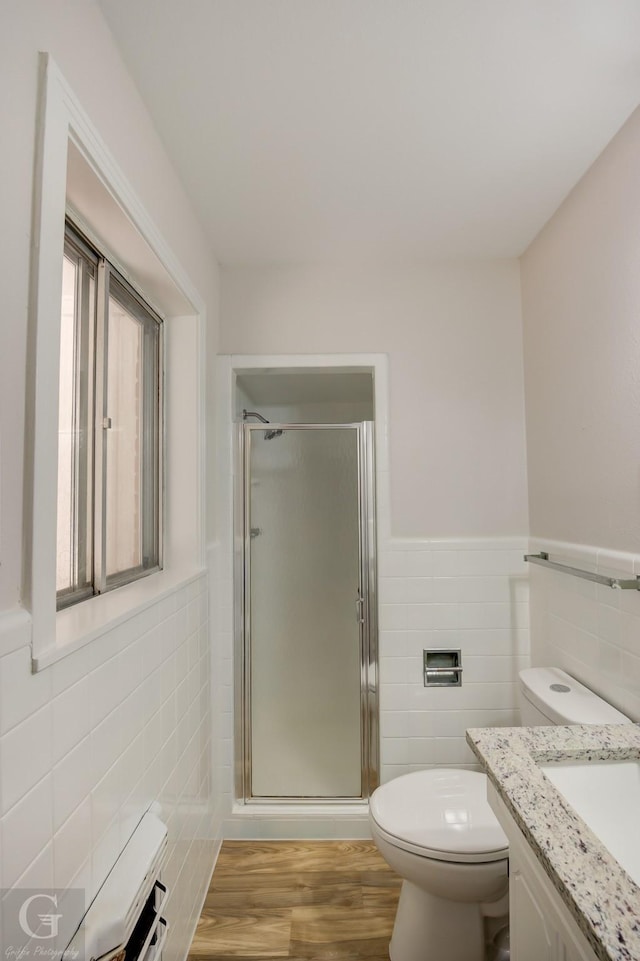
{"type": "Point", "coordinates": [268, 434]}
{"type": "Point", "coordinates": [254, 413]}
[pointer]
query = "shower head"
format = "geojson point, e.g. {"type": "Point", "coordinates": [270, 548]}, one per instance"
{"type": "Point", "coordinates": [268, 434]}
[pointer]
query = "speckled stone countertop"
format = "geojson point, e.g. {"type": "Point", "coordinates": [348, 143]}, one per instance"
{"type": "Point", "coordinates": [598, 892]}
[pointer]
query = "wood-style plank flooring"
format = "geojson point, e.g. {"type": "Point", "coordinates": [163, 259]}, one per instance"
{"type": "Point", "coordinates": [299, 900]}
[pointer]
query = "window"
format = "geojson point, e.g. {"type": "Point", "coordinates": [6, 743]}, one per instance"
{"type": "Point", "coordinates": [109, 431]}
{"type": "Point", "coordinates": [75, 171]}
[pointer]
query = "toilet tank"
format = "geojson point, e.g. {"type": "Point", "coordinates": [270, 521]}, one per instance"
{"type": "Point", "coordinates": [549, 696]}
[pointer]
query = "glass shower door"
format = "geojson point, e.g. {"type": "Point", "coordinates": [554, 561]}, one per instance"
{"type": "Point", "coordinates": [302, 611]}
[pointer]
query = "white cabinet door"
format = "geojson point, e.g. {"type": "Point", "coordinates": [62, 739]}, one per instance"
{"type": "Point", "coordinates": [541, 926]}
{"type": "Point", "coordinates": [532, 936]}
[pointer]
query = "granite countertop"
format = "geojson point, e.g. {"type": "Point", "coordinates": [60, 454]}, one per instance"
{"type": "Point", "coordinates": [598, 892]}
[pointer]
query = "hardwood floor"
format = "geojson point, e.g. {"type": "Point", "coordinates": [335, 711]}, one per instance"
{"type": "Point", "coordinates": [299, 900]}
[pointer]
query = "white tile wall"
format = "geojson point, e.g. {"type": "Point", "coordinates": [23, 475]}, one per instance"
{"type": "Point", "coordinates": [89, 743]}
{"type": "Point", "coordinates": [590, 631]}
{"type": "Point", "coordinates": [222, 589]}
{"type": "Point", "coordinates": [471, 595]}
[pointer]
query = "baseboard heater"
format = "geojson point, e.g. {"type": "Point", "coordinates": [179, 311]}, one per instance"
{"type": "Point", "coordinates": [124, 921]}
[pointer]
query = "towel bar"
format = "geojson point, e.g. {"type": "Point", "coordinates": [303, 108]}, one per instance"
{"type": "Point", "coordinates": [617, 583]}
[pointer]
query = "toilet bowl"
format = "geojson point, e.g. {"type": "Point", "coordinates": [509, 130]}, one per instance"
{"type": "Point", "coordinates": [436, 830]}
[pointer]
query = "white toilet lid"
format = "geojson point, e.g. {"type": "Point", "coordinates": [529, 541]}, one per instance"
{"type": "Point", "coordinates": [441, 813]}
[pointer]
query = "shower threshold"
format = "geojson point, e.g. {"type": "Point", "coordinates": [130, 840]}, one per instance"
{"type": "Point", "coordinates": [298, 822]}
{"type": "Point", "coordinates": [328, 807]}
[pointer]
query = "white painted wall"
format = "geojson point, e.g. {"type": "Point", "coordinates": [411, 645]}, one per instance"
{"type": "Point", "coordinates": [581, 299]}
{"type": "Point", "coordinates": [79, 40]}
{"type": "Point", "coordinates": [453, 336]}
{"type": "Point", "coordinates": [581, 294]}
{"type": "Point", "coordinates": [87, 744]}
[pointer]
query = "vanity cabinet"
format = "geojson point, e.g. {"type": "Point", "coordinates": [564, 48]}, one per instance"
{"type": "Point", "coordinates": [541, 926]}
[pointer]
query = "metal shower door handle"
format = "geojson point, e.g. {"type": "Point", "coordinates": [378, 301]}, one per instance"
{"type": "Point", "coordinates": [359, 608]}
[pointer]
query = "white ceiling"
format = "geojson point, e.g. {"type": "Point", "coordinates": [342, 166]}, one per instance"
{"type": "Point", "coordinates": [405, 129]}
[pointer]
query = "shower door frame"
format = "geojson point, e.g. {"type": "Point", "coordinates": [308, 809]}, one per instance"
{"type": "Point", "coordinates": [368, 621]}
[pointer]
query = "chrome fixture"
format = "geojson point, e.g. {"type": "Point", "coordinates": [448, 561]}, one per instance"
{"type": "Point", "coordinates": [268, 434]}
{"type": "Point", "coordinates": [442, 668]}
{"type": "Point", "coordinates": [617, 583]}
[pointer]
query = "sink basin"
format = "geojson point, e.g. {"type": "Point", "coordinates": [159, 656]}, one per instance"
{"type": "Point", "coordinates": [606, 795]}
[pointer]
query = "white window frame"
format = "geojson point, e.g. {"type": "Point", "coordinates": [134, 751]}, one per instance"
{"type": "Point", "coordinates": [55, 634]}
{"type": "Point", "coordinates": [96, 421]}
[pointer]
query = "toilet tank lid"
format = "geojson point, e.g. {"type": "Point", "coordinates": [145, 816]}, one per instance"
{"type": "Point", "coordinates": [546, 689]}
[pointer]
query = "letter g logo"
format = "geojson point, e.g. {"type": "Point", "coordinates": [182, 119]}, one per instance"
{"type": "Point", "coordinates": [48, 921]}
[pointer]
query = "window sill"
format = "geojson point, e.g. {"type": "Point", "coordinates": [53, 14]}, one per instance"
{"type": "Point", "coordinates": [81, 624]}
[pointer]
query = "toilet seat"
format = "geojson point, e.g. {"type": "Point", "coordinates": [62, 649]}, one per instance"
{"type": "Point", "coordinates": [441, 814]}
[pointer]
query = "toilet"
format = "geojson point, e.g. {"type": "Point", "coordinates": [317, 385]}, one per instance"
{"type": "Point", "coordinates": [436, 830]}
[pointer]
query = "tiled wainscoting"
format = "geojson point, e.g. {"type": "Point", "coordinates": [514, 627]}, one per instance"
{"type": "Point", "coordinates": [221, 574]}
{"type": "Point", "coordinates": [467, 594]}
{"type": "Point", "coordinates": [590, 631]}
{"type": "Point", "coordinates": [90, 742]}
{"type": "Point", "coordinates": [464, 594]}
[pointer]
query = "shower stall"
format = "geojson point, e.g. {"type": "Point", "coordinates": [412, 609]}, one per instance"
{"type": "Point", "coordinates": [306, 638]}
